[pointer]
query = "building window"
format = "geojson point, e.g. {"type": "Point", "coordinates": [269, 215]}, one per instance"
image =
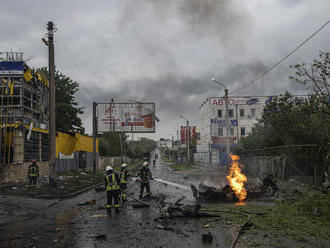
{"type": "Point", "coordinates": [242, 131]}
{"type": "Point", "coordinates": [214, 130]}
{"type": "Point", "coordinates": [231, 131]}
{"type": "Point", "coordinates": [241, 112]}
{"type": "Point", "coordinates": [220, 131]}
{"type": "Point", "coordinates": [231, 113]}
{"type": "Point", "coordinates": [219, 113]}
{"type": "Point", "coordinates": [253, 112]}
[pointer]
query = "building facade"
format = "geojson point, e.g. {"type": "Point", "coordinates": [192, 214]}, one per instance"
{"type": "Point", "coordinates": [23, 113]}
{"type": "Point", "coordinates": [244, 113]}
{"type": "Point", "coordinates": [164, 143]}
{"type": "Point", "coordinates": [24, 101]}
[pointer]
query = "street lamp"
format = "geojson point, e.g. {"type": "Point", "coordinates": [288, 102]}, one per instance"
{"type": "Point", "coordinates": [177, 141]}
{"type": "Point", "coordinates": [227, 117]}
{"type": "Point", "coordinates": [187, 137]}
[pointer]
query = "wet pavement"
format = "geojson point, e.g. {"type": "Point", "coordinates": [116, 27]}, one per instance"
{"type": "Point", "coordinates": [26, 222]}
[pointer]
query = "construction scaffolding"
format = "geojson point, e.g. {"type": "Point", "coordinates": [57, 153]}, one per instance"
{"type": "Point", "coordinates": [23, 112]}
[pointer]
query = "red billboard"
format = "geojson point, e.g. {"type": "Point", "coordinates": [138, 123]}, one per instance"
{"type": "Point", "coordinates": [183, 133]}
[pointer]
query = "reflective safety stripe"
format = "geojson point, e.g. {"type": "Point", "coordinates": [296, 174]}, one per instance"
{"type": "Point", "coordinates": [108, 183]}
{"type": "Point", "coordinates": [117, 205]}
{"type": "Point", "coordinates": [123, 196]}
{"type": "Point", "coordinates": [109, 206]}
{"type": "Point", "coordinates": [33, 171]}
{"type": "Point", "coordinates": [122, 178]}
{"type": "Point", "coordinates": [113, 185]}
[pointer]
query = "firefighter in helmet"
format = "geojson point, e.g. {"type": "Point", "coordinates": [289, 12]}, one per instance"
{"type": "Point", "coordinates": [112, 185]}
{"type": "Point", "coordinates": [123, 181]}
{"type": "Point", "coordinates": [33, 173]}
{"type": "Point", "coordinates": [145, 177]}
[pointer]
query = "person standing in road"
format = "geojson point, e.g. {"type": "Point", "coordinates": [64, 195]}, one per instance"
{"type": "Point", "coordinates": [33, 173]}
{"type": "Point", "coordinates": [145, 177]}
{"type": "Point", "coordinates": [123, 181]}
{"type": "Point", "coordinates": [112, 185]}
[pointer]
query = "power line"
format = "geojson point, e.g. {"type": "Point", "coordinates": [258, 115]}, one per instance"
{"type": "Point", "coordinates": [61, 46]}
{"type": "Point", "coordinates": [285, 146]}
{"type": "Point", "coordinates": [284, 58]}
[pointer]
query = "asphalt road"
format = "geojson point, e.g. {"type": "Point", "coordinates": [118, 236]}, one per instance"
{"type": "Point", "coordinates": [28, 222]}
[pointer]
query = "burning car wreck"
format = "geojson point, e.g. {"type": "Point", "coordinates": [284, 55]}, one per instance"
{"type": "Point", "coordinates": [206, 192]}
{"type": "Point", "coordinates": [236, 189]}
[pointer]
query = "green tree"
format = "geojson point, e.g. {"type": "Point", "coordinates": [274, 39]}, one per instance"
{"type": "Point", "coordinates": [316, 77]}
{"type": "Point", "coordinates": [113, 144]}
{"type": "Point", "coordinates": [298, 127]}
{"type": "Point", "coordinates": [104, 147]}
{"type": "Point", "coordinates": [67, 109]}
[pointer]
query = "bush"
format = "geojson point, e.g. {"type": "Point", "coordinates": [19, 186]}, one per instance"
{"type": "Point", "coordinates": [317, 204]}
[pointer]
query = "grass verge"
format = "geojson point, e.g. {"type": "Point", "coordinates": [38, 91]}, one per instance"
{"type": "Point", "coordinates": [298, 222]}
{"type": "Point", "coordinates": [182, 167]}
{"type": "Point", "coordinates": [168, 159]}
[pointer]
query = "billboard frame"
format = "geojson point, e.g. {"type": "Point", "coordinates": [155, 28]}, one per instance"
{"type": "Point", "coordinates": [112, 128]}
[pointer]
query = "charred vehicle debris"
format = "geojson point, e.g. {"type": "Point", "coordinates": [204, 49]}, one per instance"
{"type": "Point", "coordinates": [208, 192]}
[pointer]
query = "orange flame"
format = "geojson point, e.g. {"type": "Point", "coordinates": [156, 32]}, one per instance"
{"type": "Point", "coordinates": [236, 178]}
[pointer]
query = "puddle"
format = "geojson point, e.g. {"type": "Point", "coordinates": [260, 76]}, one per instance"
{"type": "Point", "coordinates": [65, 227]}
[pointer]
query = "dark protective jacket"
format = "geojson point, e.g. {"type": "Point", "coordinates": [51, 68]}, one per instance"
{"type": "Point", "coordinates": [33, 170]}
{"type": "Point", "coordinates": [145, 174]}
{"type": "Point", "coordinates": [112, 181]}
{"type": "Point", "coordinates": [123, 175]}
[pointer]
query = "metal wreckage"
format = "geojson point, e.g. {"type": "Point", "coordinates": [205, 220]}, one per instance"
{"type": "Point", "coordinates": [208, 192]}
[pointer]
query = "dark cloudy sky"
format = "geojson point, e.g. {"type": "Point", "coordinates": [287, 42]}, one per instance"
{"type": "Point", "coordinates": [167, 51]}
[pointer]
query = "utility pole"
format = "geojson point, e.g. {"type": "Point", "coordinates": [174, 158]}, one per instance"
{"type": "Point", "coordinates": [94, 120]}
{"type": "Point", "coordinates": [187, 139]}
{"type": "Point", "coordinates": [178, 144]}
{"type": "Point", "coordinates": [227, 118]}
{"type": "Point", "coordinates": [121, 147]}
{"type": "Point", "coordinates": [236, 105]}
{"type": "Point", "coordinates": [227, 127]}
{"type": "Point", "coordinates": [173, 147]}
{"type": "Point", "coordinates": [52, 123]}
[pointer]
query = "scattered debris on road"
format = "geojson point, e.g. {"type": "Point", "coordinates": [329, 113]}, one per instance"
{"type": "Point", "coordinates": [207, 238]}
{"type": "Point", "coordinates": [101, 237]}
{"type": "Point", "coordinates": [165, 228]}
{"type": "Point", "coordinates": [99, 215]}
{"type": "Point", "coordinates": [139, 205]}
{"type": "Point", "coordinates": [89, 202]}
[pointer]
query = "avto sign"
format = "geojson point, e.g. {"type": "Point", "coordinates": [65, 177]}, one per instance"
{"type": "Point", "coordinates": [126, 117]}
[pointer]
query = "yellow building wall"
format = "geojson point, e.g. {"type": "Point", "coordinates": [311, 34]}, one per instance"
{"type": "Point", "coordinates": [67, 144]}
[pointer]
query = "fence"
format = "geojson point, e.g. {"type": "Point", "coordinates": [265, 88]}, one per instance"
{"type": "Point", "coordinates": [261, 166]}
{"type": "Point", "coordinates": [79, 160]}
{"type": "Point", "coordinates": [202, 158]}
